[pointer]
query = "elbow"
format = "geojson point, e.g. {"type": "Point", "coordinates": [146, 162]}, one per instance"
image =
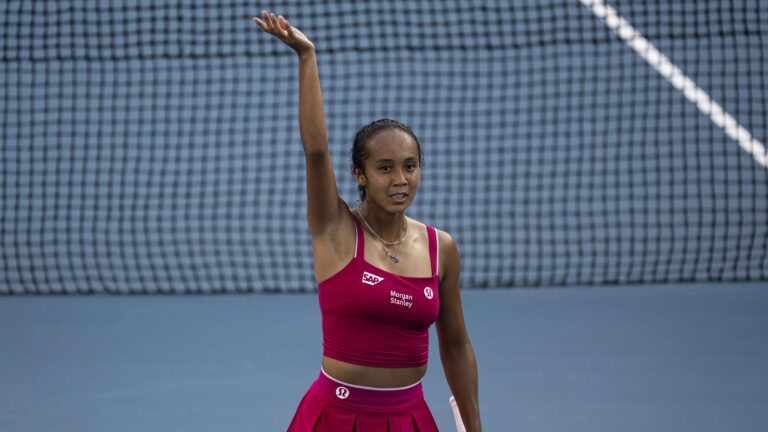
{"type": "Point", "coordinates": [457, 350]}
{"type": "Point", "coordinates": [314, 143]}
{"type": "Point", "coordinates": [315, 146]}
{"type": "Point", "coordinates": [315, 151]}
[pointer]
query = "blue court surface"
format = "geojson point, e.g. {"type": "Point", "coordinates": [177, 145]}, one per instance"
{"type": "Point", "coordinates": [632, 358]}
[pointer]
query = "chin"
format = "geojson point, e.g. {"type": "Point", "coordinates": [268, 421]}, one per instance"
{"type": "Point", "coordinates": [399, 207]}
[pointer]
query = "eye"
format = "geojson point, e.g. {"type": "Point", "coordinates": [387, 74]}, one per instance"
{"type": "Point", "coordinates": [385, 168]}
{"type": "Point", "coordinates": [410, 166]}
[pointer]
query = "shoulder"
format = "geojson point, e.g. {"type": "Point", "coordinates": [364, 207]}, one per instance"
{"type": "Point", "coordinates": [448, 248]}
{"type": "Point", "coordinates": [449, 256]}
{"type": "Point", "coordinates": [443, 237]}
{"type": "Point", "coordinates": [449, 259]}
{"type": "Point", "coordinates": [446, 242]}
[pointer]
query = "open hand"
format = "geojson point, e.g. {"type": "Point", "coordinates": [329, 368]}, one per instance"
{"type": "Point", "coordinates": [279, 27]}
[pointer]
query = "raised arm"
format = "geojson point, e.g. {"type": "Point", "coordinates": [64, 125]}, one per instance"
{"type": "Point", "coordinates": [325, 210]}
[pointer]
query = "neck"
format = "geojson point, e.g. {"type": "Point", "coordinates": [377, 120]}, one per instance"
{"type": "Point", "coordinates": [388, 226]}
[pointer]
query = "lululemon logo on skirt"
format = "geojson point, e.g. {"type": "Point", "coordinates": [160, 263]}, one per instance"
{"type": "Point", "coordinates": [428, 293]}
{"type": "Point", "coordinates": [342, 392]}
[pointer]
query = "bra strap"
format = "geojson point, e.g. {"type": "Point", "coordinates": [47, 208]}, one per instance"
{"type": "Point", "coordinates": [359, 239]}
{"type": "Point", "coordinates": [434, 249]}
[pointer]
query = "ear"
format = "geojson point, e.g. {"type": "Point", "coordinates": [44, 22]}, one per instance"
{"type": "Point", "coordinates": [360, 177]}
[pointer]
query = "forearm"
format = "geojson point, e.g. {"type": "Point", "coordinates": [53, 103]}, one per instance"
{"type": "Point", "coordinates": [460, 368]}
{"type": "Point", "coordinates": [311, 113]}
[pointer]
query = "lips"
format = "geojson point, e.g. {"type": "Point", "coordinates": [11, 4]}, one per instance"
{"type": "Point", "coordinates": [399, 197]}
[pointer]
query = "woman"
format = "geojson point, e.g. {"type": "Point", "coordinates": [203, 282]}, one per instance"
{"type": "Point", "coordinates": [383, 277]}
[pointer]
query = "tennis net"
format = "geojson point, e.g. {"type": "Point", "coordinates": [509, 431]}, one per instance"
{"type": "Point", "coordinates": [154, 148]}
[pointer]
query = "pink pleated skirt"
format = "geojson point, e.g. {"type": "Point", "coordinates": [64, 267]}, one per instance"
{"type": "Point", "coordinates": [334, 406]}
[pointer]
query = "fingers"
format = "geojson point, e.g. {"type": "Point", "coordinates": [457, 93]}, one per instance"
{"type": "Point", "coordinates": [272, 21]}
{"type": "Point", "coordinates": [277, 25]}
{"type": "Point", "coordinates": [264, 22]}
{"type": "Point", "coordinates": [261, 24]}
{"type": "Point", "coordinates": [277, 30]}
{"type": "Point", "coordinates": [286, 26]}
{"type": "Point", "coordinates": [282, 22]}
{"type": "Point", "coordinates": [267, 22]}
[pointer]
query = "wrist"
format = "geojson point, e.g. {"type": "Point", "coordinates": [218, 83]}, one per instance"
{"type": "Point", "coordinates": [307, 54]}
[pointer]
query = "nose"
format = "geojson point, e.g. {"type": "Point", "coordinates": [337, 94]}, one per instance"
{"type": "Point", "coordinates": [400, 178]}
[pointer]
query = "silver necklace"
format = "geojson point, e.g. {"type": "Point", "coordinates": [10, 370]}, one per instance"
{"type": "Point", "coordinates": [395, 258]}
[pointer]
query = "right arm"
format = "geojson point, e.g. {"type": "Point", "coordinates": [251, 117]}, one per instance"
{"type": "Point", "coordinates": [325, 209]}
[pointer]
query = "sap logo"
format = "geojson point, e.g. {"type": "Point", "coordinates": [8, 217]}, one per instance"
{"type": "Point", "coordinates": [371, 279]}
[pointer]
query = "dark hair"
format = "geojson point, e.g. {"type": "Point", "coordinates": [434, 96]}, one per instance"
{"type": "Point", "coordinates": [366, 133]}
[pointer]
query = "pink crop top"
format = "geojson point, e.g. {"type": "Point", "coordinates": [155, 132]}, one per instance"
{"type": "Point", "coordinates": [372, 317]}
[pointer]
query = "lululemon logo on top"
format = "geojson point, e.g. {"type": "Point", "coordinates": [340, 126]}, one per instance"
{"type": "Point", "coordinates": [428, 293]}
{"type": "Point", "coordinates": [342, 392]}
{"type": "Point", "coordinates": [371, 279]}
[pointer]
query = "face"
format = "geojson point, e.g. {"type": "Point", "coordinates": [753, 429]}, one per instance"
{"type": "Point", "coordinates": [392, 172]}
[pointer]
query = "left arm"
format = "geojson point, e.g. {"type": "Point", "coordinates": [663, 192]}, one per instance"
{"type": "Point", "coordinates": [456, 351]}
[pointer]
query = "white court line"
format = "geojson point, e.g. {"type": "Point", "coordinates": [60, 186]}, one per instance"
{"type": "Point", "coordinates": [679, 80]}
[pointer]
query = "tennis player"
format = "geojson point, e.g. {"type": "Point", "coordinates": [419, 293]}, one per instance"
{"type": "Point", "coordinates": [384, 278]}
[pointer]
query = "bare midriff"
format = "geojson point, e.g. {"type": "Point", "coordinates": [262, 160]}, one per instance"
{"type": "Point", "coordinates": [368, 376]}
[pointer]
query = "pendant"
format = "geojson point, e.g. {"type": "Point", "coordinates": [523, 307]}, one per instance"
{"type": "Point", "coordinates": [395, 259]}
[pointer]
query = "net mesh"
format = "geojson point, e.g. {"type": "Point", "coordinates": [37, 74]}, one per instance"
{"type": "Point", "coordinates": [154, 148]}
